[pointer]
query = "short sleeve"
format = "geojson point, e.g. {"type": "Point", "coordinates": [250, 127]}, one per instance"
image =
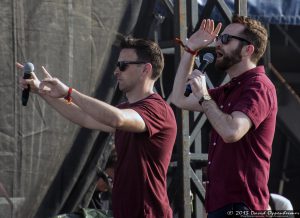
{"type": "Point", "coordinates": [255, 101]}
{"type": "Point", "coordinates": [153, 112]}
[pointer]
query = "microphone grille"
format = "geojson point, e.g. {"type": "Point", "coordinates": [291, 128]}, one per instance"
{"type": "Point", "coordinates": [28, 67]}
{"type": "Point", "coordinates": [209, 57]}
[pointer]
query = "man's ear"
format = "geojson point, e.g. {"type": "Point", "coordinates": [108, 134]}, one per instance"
{"type": "Point", "coordinates": [249, 50]}
{"type": "Point", "coordinates": [147, 69]}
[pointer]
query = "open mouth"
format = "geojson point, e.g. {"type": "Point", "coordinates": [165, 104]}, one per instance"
{"type": "Point", "coordinates": [219, 54]}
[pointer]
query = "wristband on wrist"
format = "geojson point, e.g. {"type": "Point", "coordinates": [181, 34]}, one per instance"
{"type": "Point", "coordinates": [185, 47]}
{"type": "Point", "coordinates": [68, 97]}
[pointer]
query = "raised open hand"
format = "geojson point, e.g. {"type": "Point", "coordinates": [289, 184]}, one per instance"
{"type": "Point", "coordinates": [52, 86]}
{"type": "Point", "coordinates": [205, 35]}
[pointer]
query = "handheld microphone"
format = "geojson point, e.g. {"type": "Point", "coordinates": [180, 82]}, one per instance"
{"type": "Point", "coordinates": [208, 58]}
{"type": "Point", "coordinates": [28, 68]}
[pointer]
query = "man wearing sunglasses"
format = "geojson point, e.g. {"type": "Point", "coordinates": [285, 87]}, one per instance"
{"type": "Point", "coordinates": [242, 114]}
{"type": "Point", "coordinates": [144, 126]}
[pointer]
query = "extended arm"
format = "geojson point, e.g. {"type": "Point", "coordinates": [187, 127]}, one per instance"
{"type": "Point", "coordinates": [124, 119]}
{"type": "Point", "coordinates": [70, 111]}
{"type": "Point", "coordinates": [73, 113]}
{"type": "Point", "coordinates": [99, 111]}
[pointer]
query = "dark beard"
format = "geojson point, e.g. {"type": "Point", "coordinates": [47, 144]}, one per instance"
{"type": "Point", "coordinates": [230, 59]}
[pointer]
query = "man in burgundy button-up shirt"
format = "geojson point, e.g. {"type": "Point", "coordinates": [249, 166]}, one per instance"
{"type": "Point", "coordinates": [241, 112]}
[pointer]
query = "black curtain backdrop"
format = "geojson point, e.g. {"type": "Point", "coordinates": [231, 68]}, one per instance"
{"type": "Point", "coordinates": [48, 164]}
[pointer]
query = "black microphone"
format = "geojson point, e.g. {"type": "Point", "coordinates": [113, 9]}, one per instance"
{"type": "Point", "coordinates": [28, 68]}
{"type": "Point", "coordinates": [208, 58]}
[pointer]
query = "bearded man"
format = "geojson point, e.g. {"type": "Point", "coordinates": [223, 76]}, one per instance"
{"type": "Point", "coordinates": [242, 114]}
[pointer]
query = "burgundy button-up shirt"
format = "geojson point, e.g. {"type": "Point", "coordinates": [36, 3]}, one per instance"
{"type": "Point", "coordinates": [239, 171]}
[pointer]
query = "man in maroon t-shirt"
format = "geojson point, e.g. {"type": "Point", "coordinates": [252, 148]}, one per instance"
{"type": "Point", "coordinates": [145, 128]}
{"type": "Point", "coordinates": [140, 181]}
{"type": "Point", "coordinates": [241, 112]}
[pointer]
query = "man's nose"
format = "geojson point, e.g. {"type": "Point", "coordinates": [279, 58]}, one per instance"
{"type": "Point", "coordinates": [218, 46]}
{"type": "Point", "coordinates": [116, 71]}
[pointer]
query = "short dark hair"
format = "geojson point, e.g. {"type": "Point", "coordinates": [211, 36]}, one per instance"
{"type": "Point", "coordinates": [254, 32]}
{"type": "Point", "coordinates": [147, 51]}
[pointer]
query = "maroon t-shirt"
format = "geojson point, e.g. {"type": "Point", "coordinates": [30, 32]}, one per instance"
{"type": "Point", "coordinates": [239, 172]}
{"type": "Point", "coordinates": [143, 158]}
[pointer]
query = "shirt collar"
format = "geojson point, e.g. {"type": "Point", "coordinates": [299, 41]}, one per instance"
{"type": "Point", "coordinates": [249, 73]}
{"type": "Point", "coordinates": [245, 76]}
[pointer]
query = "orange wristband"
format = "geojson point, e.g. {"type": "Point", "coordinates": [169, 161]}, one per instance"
{"type": "Point", "coordinates": [185, 47]}
{"type": "Point", "coordinates": [68, 97]}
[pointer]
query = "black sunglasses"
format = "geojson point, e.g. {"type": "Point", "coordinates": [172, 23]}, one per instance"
{"type": "Point", "coordinates": [123, 64]}
{"type": "Point", "coordinates": [225, 38]}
